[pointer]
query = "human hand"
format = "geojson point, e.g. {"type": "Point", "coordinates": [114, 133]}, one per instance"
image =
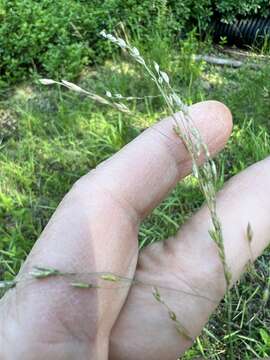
{"type": "Point", "coordinates": [95, 230]}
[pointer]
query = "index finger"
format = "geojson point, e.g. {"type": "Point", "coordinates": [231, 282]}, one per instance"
{"type": "Point", "coordinates": [144, 171]}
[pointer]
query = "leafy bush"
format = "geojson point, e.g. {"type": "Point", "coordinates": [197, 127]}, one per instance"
{"type": "Point", "coordinates": [192, 12]}
{"type": "Point", "coordinates": [231, 9]}
{"type": "Point", "coordinates": [57, 38]}
{"type": "Point", "coordinates": [201, 12]}
{"type": "Point", "coordinates": [43, 36]}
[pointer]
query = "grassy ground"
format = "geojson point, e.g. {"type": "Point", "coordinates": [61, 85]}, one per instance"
{"type": "Point", "coordinates": [59, 136]}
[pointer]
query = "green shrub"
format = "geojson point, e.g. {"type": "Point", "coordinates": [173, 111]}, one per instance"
{"type": "Point", "coordinates": [231, 9]}
{"type": "Point", "coordinates": [42, 36]}
{"type": "Point", "coordinates": [192, 12]}
{"type": "Point", "coordinates": [201, 12]}
{"type": "Point", "coordinates": [57, 38]}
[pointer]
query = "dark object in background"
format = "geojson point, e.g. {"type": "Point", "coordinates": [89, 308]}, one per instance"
{"type": "Point", "coordinates": [245, 32]}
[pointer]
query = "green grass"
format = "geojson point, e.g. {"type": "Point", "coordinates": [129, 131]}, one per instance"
{"type": "Point", "coordinates": [60, 136]}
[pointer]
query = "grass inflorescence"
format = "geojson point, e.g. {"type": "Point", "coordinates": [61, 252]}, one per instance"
{"type": "Point", "coordinates": [184, 127]}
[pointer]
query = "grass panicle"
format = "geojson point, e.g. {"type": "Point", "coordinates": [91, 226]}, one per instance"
{"type": "Point", "coordinates": [183, 126]}
{"type": "Point", "coordinates": [187, 131]}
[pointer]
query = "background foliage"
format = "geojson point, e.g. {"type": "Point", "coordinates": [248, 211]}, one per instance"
{"type": "Point", "coordinates": [57, 38]}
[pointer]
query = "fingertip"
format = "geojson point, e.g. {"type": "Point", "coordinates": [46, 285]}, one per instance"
{"type": "Point", "coordinates": [214, 120]}
{"type": "Point", "coordinates": [224, 115]}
